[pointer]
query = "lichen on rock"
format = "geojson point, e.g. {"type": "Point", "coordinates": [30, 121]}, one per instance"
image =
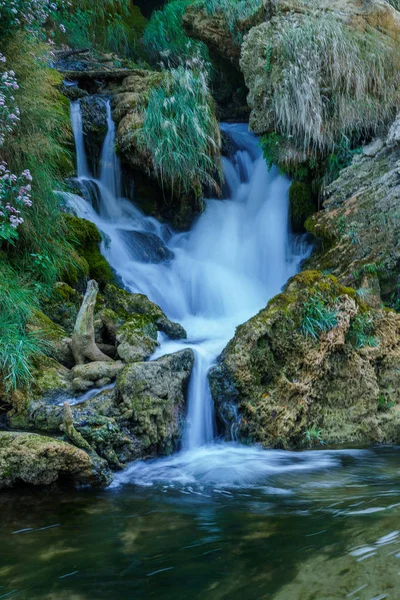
{"type": "Point", "coordinates": [312, 359]}
{"type": "Point", "coordinates": [39, 460]}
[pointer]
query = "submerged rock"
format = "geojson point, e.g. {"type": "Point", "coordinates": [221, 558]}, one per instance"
{"type": "Point", "coordinates": [146, 247]}
{"type": "Point", "coordinates": [152, 398]}
{"type": "Point", "coordinates": [315, 364]}
{"type": "Point", "coordinates": [39, 460]}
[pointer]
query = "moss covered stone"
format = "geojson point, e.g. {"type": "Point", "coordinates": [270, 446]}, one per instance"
{"type": "Point", "coordinates": [152, 399]}
{"type": "Point", "coordinates": [137, 338]}
{"type": "Point", "coordinates": [86, 239]}
{"type": "Point", "coordinates": [275, 379]}
{"type": "Point", "coordinates": [125, 304]}
{"type": "Point", "coordinates": [39, 460]}
{"type": "Point", "coordinates": [301, 205]}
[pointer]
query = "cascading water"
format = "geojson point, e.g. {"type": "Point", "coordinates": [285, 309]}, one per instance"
{"type": "Point", "coordinates": [236, 257]}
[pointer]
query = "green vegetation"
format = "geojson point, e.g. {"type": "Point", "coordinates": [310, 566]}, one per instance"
{"type": "Point", "coordinates": [235, 12]}
{"type": "Point", "coordinates": [32, 263]}
{"type": "Point", "coordinates": [384, 404]}
{"type": "Point", "coordinates": [105, 25]}
{"type": "Point", "coordinates": [165, 39]}
{"type": "Point", "coordinates": [317, 316]}
{"type": "Point", "coordinates": [361, 332]}
{"type": "Point", "coordinates": [312, 437]}
{"type": "Point", "coordinates": [180, 131]}
{"type": "Point", "coordinates": [86, 238]}
{"type": "Point", "coordinates": [17, 347]}
{"type": "Point", "coordinates": [330, 83]}
{"type": "Point", "coordinates": [301, 205]}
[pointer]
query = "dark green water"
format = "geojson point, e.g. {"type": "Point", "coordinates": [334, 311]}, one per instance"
{"type": "Point", "coordinates": [305, 533]}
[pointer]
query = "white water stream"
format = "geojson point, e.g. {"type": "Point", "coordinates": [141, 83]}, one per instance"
{"type": "Point", "coordinates": [238, 254]}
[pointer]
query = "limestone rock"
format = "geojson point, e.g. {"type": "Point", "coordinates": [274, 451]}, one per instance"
{"type": "Point", "coordinates": [124, 304]}
{"type": "Point", "coordinates": [38, 460]}
{"type": "Point", "coordinates": [359, 228]}
{"type": "Point", "coordinates": [152, 399]}
{"type": "Point", "coordinates": [137, 338]}
{"type": "Point", "coordinates": [95, 374]}
{"type": "Point", "coordinates": [280, 378]}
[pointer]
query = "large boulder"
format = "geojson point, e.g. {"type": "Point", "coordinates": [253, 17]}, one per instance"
{"type": "Point", "coordinates": [39, 460]}
{"type": "Point", "coordinates": [152, 398]}
{"type": "Point", "coordinates": [359, 226]}
{"type": "Point", "coordinates": [322, 74]}
{"type": "Point", "coordinates": [315, 365]}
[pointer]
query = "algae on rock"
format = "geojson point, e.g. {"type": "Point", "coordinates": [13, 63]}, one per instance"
{"type": "Point", "coordinates": [275, 380]}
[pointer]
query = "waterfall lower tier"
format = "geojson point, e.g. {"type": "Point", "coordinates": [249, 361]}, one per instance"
{"type": "Point", "coordinates": [236, 257]}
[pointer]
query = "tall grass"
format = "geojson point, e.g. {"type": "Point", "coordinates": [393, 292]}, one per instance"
{"type": "Point", "coordinates": [41, 143]}
{"type": "Point", "coordinates": [17, 347]}
{"type": "Point", "coordinates": [106, 25]}
{"type": "Point", "coordinates": [180, 131]}
{"type": "Point", "coordinates": [329, 82]}
{"type": "Point", "coordinates": [165, 39]}
{"type": "Point", "coordinates": [235, 12]}
{"type": "Point", "coordinates": [30, 267]}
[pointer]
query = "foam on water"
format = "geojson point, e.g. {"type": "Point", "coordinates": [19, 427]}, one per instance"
{"type": "Point", "coordinates": [238, 254]}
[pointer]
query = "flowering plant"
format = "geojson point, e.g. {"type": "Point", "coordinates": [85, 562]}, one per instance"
{"type": "Point", "coordinates": [30, 14]}
{"type": "Point", "coordinates": [9, 114]}
{"type": "Point", "coordinates": [15, 196]}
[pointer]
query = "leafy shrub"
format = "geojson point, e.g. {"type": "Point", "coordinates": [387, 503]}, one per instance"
{"type": "Point", "coordinates": [317, 317]}
{"type": "Point", "coordinates": [165, 39]}
{"type": "Point", "coordinates": [180, 131]}
{"type": "Point", "coordinates": [15, 195]}
{"type": "Point", "coordinates": [329, 82]}
{"type": "Point", "coordinates": [361, 332]}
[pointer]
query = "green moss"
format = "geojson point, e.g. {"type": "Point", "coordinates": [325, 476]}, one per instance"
{"type": "Point", "coordinates": [86, 238]}
{"type": "Point", "coordinates": [301, 205]}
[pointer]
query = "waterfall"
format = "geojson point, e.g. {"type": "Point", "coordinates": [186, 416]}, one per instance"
{"type": "Point", "coordinates": [238, 254]}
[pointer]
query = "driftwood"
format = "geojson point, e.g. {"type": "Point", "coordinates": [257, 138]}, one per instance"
{"type": "Point", "coordinates": [61, 54]}
{"type": "Point", "coordinates": [105, 74]}
{"type": "Point", "coordinates": [83, 343]}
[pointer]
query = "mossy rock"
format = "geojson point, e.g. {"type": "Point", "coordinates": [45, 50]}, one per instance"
{"type": "Point", "coordinates": [311, 359]}
{"type": "Point", "coordinates": [137, 338]}
{"type": "Point", "coordinates": [86, 239]}
{"type": "Point", "coordinates": [126, 304]}
{"type": "Point", "coordinates": [301, 205]}
{"type": "Point", "coordinates": [39, 460]}
{"type": "Point", "coordinates": [63, 305]}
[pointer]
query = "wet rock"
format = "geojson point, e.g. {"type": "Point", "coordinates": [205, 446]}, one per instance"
{"type": "Point", "coordinates": [39, 460]}
{"type": "Point", "coordinates": [137, 338]}
{"type": "Point", "coordinates": [316, 359]}
{"type": "Point", "coordinates": [124, 304]}
{"type": "Point", "coordinates": [147, 247]}
{"type": "Point", "coordinates": [152, 398]}
{"type": "Point", "coordinates": [95, 374]}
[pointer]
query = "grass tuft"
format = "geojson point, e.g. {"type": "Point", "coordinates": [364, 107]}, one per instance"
{"type": "Point", "coordinates": [165, 39]}
{"type": "Point", "coordinates": [329, 82]}
{"type": "Point", "coordinates": [317, 317]}
{"type": "Point", "coordinates": [180, 131]}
